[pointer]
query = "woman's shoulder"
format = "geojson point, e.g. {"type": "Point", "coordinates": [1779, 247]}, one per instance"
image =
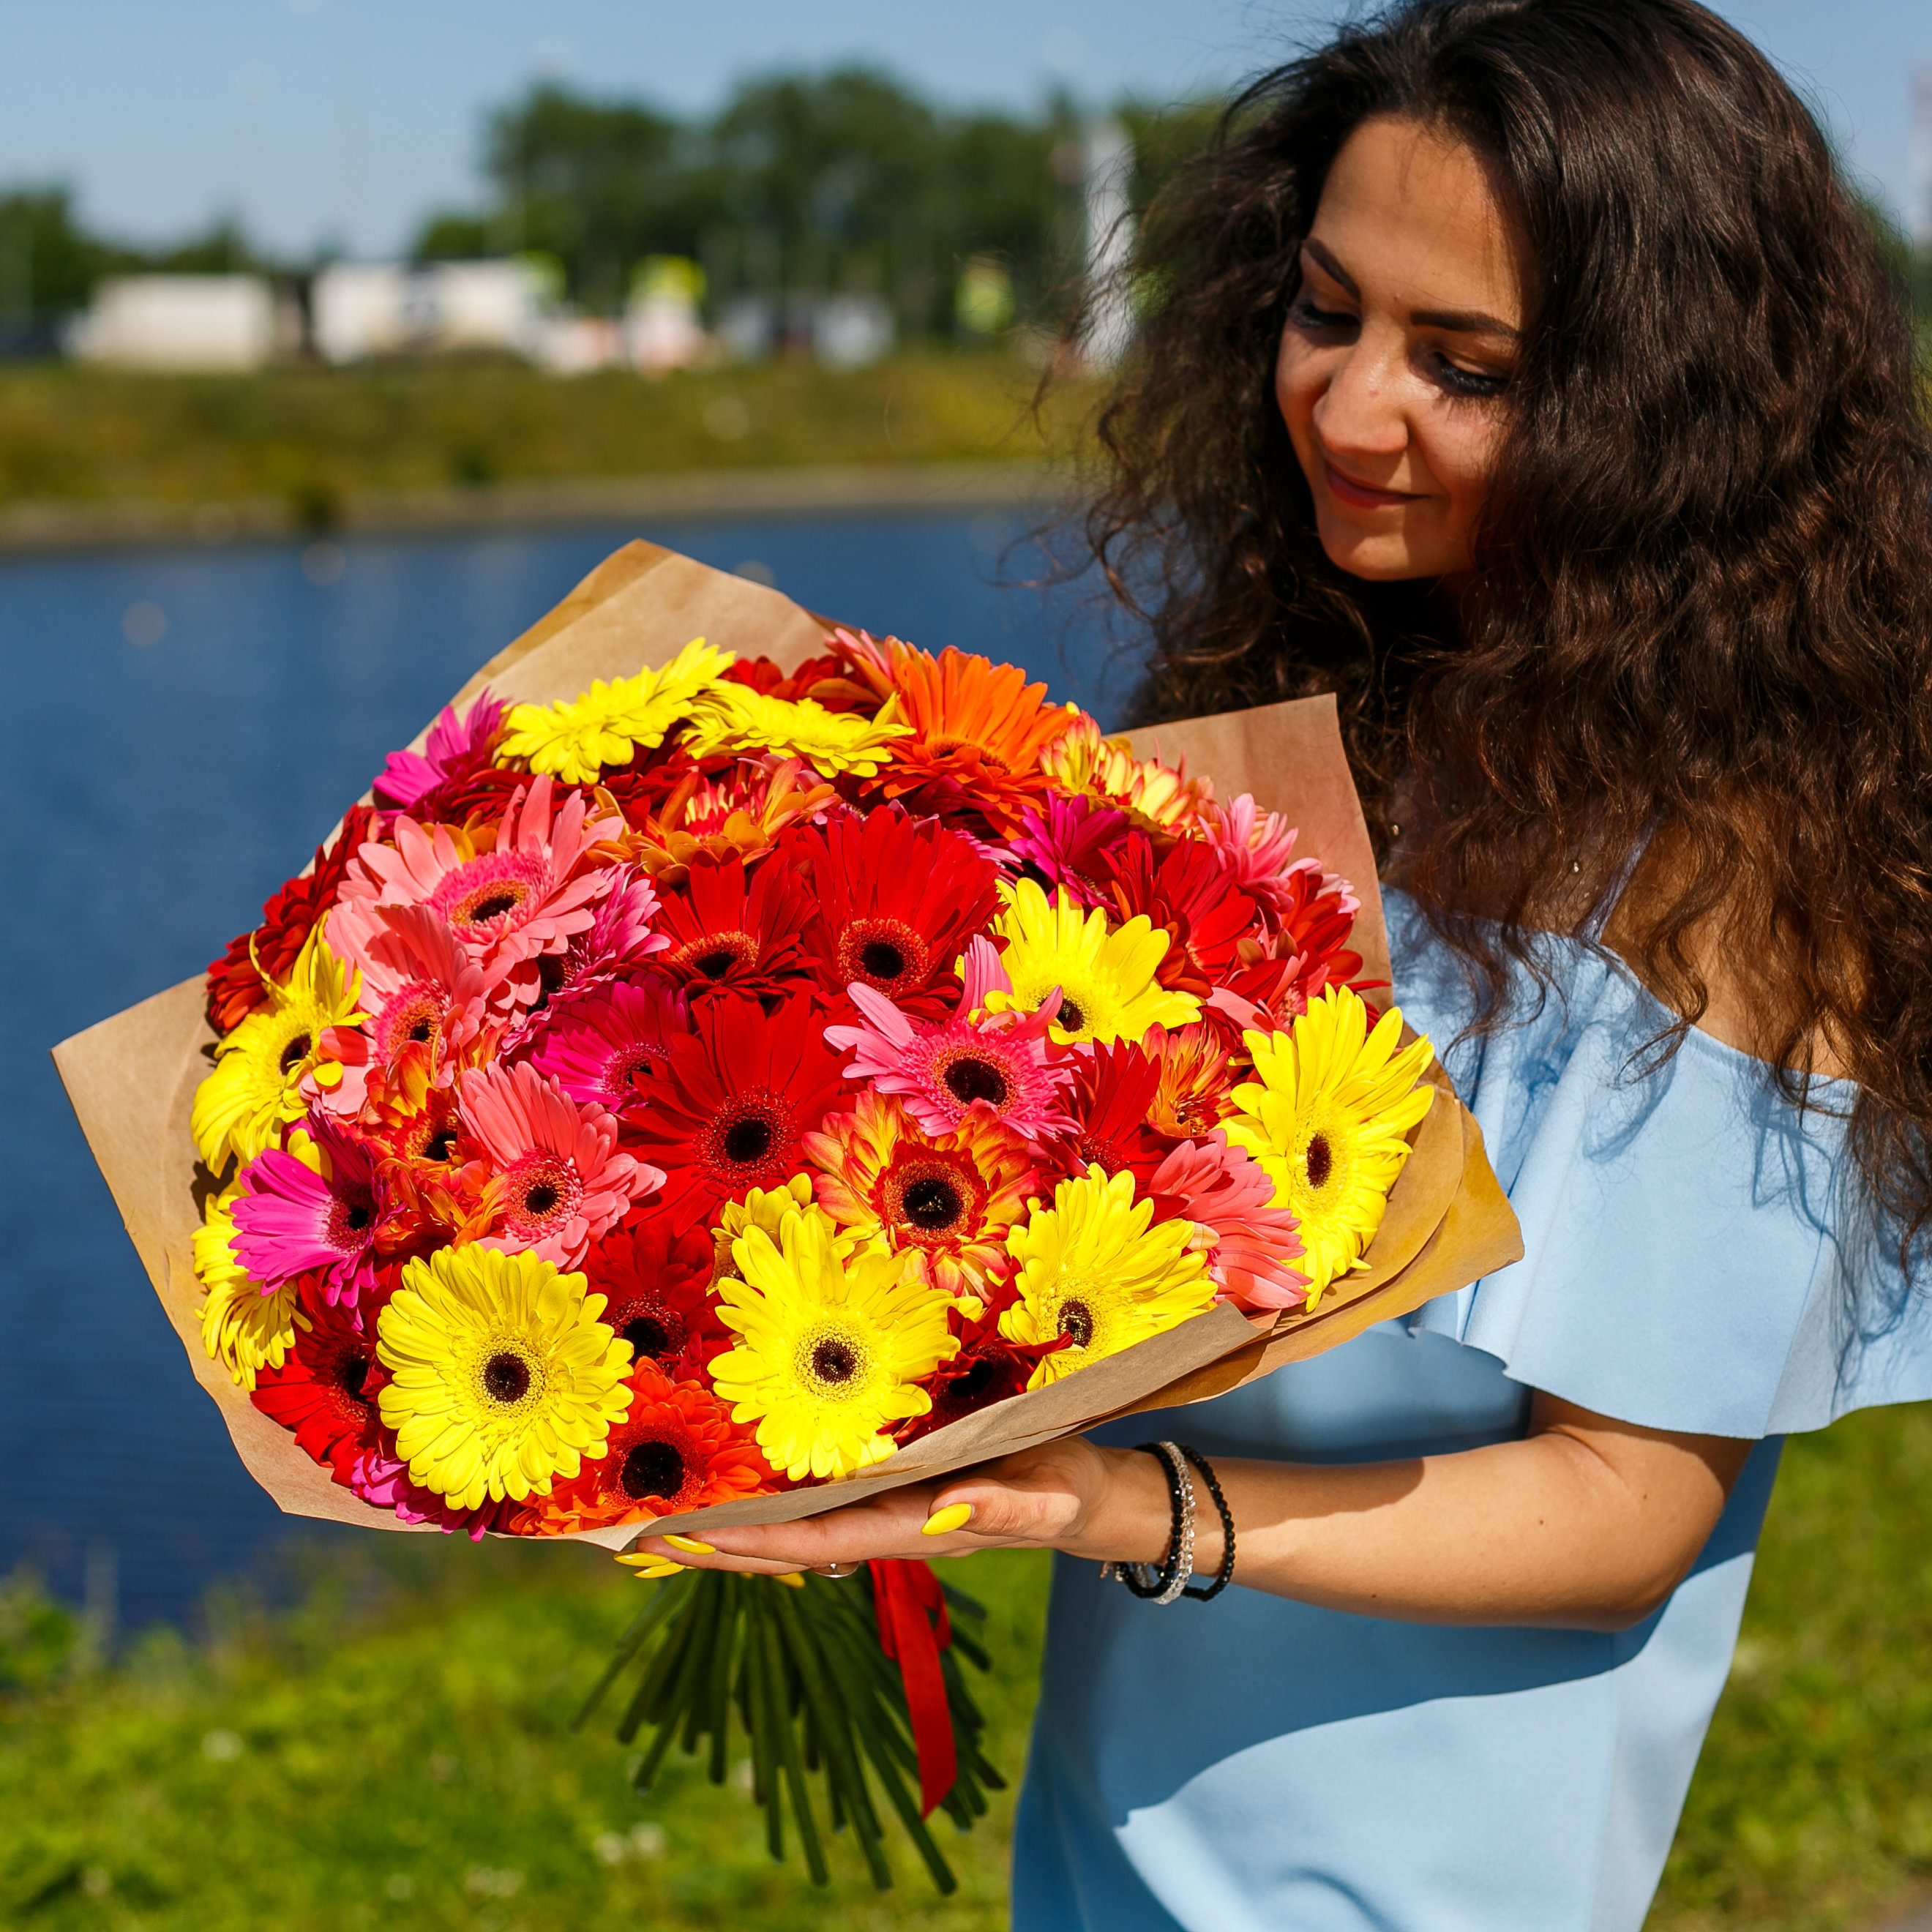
{"type": "Point", "coordinates": [1696, 1257]}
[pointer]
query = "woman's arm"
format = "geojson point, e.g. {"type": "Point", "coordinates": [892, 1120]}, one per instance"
{"type": "Point", "coordinates": [1586, 1523]}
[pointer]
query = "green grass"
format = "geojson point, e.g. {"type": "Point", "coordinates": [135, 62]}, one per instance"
{"type": "Point", "coordinates": [396, 1753]}
{"type": "Point", "coordinates": [1812, 1806]}
{"type": "Point", "coordinates": [311, 436]}
{"type": "Point", "coordinates": [395, 1750]}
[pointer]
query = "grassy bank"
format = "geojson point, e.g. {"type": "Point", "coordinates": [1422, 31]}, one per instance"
{"type": "Point", "coordinates": [313, 438]}
{"type": "Point", "coordinates": [394, 1751]}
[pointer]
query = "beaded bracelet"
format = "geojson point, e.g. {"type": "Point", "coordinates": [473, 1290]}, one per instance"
{"type": "Point", "coordinates": [1162, 1582]}
{"type": "Point", "coordinates": [1224, 1575]}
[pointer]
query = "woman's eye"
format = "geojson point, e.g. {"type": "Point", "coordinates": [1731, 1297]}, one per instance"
{"type": "Point", "coordinates": [1305, 316]}
{"type": "Point", "coordinates": [1461, 381]}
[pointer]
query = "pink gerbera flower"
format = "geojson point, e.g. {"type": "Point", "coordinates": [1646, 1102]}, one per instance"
{"type": "Point", "coordinates": [1259, 846]}
{"type": "Point", "coordinates": [293, 1219]}
{"type": "Point", "coordinates": [620, 937]}
{"type": "Point", "coordinates": [426, 996]}
{"type": "Point", "coordinates": [998, 1066]}
{"type": "Point", "coordinates": [601, 1046]}
{"type": "Point", "coordinates": [454, 748]}
{"type": "Point", "coordinates": [1226, 1194]}
{"type": "Point", "coordinates": [1071, 843]}
{"type": "Point", "coordinates": [529, 895]}
{"type": "Point", "coordinates": [559, 1180]}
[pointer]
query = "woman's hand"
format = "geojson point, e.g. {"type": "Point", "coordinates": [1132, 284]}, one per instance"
{"type": "Point", "coordinates": [1071, 1495]}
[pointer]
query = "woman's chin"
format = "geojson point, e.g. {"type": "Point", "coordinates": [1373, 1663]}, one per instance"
{"type": "Point", "coordinates": [1381, 557]}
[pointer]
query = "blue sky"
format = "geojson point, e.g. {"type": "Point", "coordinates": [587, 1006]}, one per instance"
{"type": "Point", "coordinates": [343, 120]}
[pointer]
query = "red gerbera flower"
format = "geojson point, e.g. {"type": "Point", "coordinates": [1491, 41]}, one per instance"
{"type": "Point", "coordinates": [326, 1390]}
{"type": "Point", "coordinates": [1195, 893]}
{"type": "Point", "coordinates": [731, 1102]}
{"type": "Point", "coordinates": [822, 679]}
{"type": "Point", "coordinates": [655, 1280]}
{"type": "Point", "coordinates": [725, 934]}
{"type": "Point", "coordinates": [896, 899]}
{"type": "Point", "coordinates": [1114, 1088]}
{"type": "Point", "coordinates": [988, 1369]}
{"type": "Point", "coordinates": [677, 1450]}
{"type": "Point", "coordinates": [235, 984]}
{"type": "Point", "coordinates": [1309, 952]}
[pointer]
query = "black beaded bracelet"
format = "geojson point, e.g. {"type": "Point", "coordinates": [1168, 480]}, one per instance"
{"type": "Point", "coordinates": [1225, 1574]}
{"type": "Point", "coordinates": [1160, 1584]}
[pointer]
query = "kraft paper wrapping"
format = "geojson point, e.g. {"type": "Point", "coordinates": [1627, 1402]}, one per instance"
{"type": "Point", "coordinates": [132, 1079]}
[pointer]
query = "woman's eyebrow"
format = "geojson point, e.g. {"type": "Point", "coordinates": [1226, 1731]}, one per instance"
{"type": "Point", "coordinates": [1330, 266]}
{"type": "Point", "coordinates": [1465, 322]}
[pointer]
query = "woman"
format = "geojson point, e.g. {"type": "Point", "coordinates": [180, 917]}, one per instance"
{"type": "Point", "coordinates": [1525, 374]}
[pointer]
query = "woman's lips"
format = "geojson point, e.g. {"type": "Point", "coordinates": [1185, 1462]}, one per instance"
{"type": "Point", "coordinates": [1363, 495]}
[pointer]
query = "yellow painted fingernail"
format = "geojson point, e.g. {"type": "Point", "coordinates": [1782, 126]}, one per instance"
{"type": "Point", "coordinates": [944, 1523]}
{"type": "Point", "coordinates": [796, 1578]}
{"type": "Point", "coordinates": [658, 1571]}
{"type": "Point", "coordinates": [691, 1543]}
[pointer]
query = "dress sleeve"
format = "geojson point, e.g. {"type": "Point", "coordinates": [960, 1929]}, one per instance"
{"type": "Point", "coordinates": [1694, 1259]}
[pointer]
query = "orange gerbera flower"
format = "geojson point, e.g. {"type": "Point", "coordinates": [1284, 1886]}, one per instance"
{"type": "Point", "coordinates": [950, 1198]}
{"type": "Point", "coordinates": [1156, 797]}
{"type": "Point", "coordinates": [979, 733]}
{"type": "Point", "coordinates": [1191, 1098]}
{"type": "Point", "coordinates": [677, 1449]}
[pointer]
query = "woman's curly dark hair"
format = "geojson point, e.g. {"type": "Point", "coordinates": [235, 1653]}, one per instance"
{"type": "Point", "coordinates": [1703, 610]}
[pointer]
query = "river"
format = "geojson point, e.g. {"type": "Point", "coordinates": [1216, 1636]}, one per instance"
{"type": "Point", "coordinates": [183, 726]}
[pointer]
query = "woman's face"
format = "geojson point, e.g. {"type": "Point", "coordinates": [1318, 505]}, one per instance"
{"type": "Point", "coordinates": [1398, 349]}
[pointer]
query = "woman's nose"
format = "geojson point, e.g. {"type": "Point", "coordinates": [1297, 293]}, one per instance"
{"type": "Point", "coordinates": [1361, 410]}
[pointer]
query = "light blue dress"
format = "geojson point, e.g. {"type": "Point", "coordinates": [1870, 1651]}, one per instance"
{"type": "Point", "coordinates": [1693, 1262]}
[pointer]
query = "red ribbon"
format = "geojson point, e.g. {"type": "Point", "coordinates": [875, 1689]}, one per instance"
{"type": "Point", "coordinates": [914, 1629]}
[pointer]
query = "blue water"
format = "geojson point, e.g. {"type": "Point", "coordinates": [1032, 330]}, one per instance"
{"type": "Point", "coordinates": [161, 790]}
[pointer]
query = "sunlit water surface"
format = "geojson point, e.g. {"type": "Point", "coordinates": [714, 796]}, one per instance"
{"type": "Point", "coordinates": [182, 727]}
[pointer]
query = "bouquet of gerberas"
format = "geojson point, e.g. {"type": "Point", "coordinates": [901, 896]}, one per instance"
{"type": "Point", "coordinates": [739, 1079]}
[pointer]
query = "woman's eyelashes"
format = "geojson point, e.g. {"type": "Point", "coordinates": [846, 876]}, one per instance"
{"type": "Point", "coordinates": [1460, 382]}
{"type": "Point", "coordinates": [1313, 320]}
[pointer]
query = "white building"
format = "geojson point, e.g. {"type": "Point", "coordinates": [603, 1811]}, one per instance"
{"type": "Point", "coordinates": [179, 321]}
{"type": "Point", "coordinates": [358, 310]}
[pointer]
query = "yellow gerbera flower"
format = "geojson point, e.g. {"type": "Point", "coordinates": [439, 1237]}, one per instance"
{"type": "Point", "coordinates": [576, 739]}
{"type": "Point", "coordinates": [830, 742]}
{"type": "Point", "coordinates": [1327, 1115]}
{"type": "Point", "coordinates": [1150, 792]}
{"type": "Point", "coordinates": [766, 1208]}
{"type": "Point", "coordinates": [1105, 975]}
{"type": "Point", "coordinates": [505, 1378]}
{"type": "Point", "coordinates": [1093, 1268]}
{"type": "Point", "coordinates": [243, 1330]}
{"type": "Point", "coordinates": [253, 1092]}
{"type": "Point", "coordinates": [829, 1351]}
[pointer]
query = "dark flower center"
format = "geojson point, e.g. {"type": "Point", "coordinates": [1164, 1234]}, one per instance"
{"type": "Point", "coordinates": [970, 1080]}
{"type": "Point", "coordinates": [967, 1388]}
{"type": "Point", "coordinates": [1076, 1323]}
{"type": "Point", "coordinates": [882, 959]}
{"type": "Point", "coordinates": [294, 1053]}
{"type": "Point", "coordinates": [440, 1145]}
{"type": "Point", "coordinates": [357, 1215]}
{"type": "Point", "coordinates": [507, 1377]}
{"type": "Point", "coordinates": [715, 965]}
{"type": "Point", "coordinates": [493, 905]}
{"type": "Point", "coordinates": [542, 1198]}
{"type": "Point", "coordinates": [834, 1361]}
{"type": "Point", "coordinates": [1070, 1015]}
{"type": "Point", "coordinates": [351, 1372]}
{"type": "Point", "coordinates": [652, 1469]}
{"type": "Point", "coordinates": [1321, 1161]}
{"type": "Point", "coordinates": [423, 1031]}
{"type": "Point", "coordinates": [651, 1335]}
{"type": "Point", "coordinates": [932, 1203]}
{"type": "Point", "coordinates": [748, 1140]}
